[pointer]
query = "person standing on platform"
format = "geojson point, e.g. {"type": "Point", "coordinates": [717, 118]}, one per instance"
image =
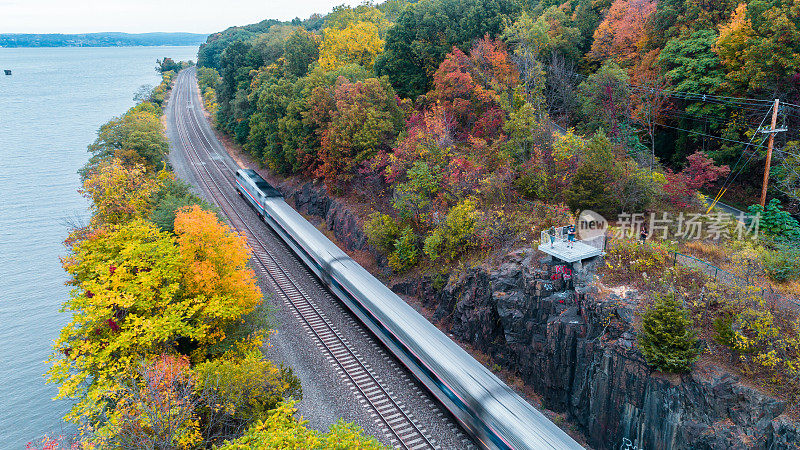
{"type": "Point", "coordinates": [571, 236]}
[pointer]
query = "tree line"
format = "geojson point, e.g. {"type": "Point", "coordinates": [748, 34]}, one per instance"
{"type": "Point", "coordinates": [164, 347]}
{"type": "Point", "coordinates": [442, 104]}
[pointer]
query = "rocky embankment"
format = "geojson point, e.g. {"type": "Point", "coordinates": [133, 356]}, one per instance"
{"type": "Point", "coordinates": [575, 347]}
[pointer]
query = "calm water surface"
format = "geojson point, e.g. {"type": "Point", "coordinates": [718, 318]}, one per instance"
{"type": "Point", "coordinates": [50, 110]}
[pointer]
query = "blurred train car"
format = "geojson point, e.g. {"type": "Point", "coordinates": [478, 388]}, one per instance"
{"type": "Point", "coordinates": [486, 407]}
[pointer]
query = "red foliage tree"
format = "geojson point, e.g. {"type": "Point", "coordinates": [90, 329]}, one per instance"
{"type": "Point", "coordinates": [469, 87]}
{"type": "Point", "coordinates": [700, 172]}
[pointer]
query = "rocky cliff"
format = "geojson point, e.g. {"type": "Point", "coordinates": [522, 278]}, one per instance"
{"type": "Point", "coordinates": [575, 347]}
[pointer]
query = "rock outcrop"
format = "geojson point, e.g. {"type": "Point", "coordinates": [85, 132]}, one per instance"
{"type": "Point", "coordinates": [312, 199]}
{"type": "Point", "coordinates": [576, 348]}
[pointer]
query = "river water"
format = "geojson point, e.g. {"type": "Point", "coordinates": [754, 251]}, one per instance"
{"type": "Point", "coordinates": [50, 110]}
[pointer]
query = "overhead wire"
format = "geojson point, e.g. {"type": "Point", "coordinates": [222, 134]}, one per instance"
{"type": "Point", "coordinates": [709, 135]}
{"type": "Point", "coordinates": [751, 104]}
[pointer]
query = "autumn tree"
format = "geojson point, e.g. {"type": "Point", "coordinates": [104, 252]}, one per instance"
{"type": "Point", "coordinates": [426, 32]}
{"type": "Point", "coordinates": [153, 409]}
{"type": "Point", "coordinates": [469, 88]}
{"type": "Point", "coordinates": [118, 192]}
{"type": "Point", "coordinates": [358, 43]}
{"type": "Point", "coordinates": [360, 118]}
{"type": "Point", "coordinates": [126, 306]}
{"type": "Point", "coordinates": [140, 292]}
{"type": "Point", "coordinates": [238, 389]}
{"type": "Point", "coordinates": [760, 45]}
{"type": "Point", "coordinates": [214, 265]}
{"type": "Point", "coordinates": [699, 173]}
{"type": "Point", "coordinates": [282, 430]}
{"type": "Point", "coordinates": [343, 16]}
{"type": "Point", "coordinates": [620, 35]}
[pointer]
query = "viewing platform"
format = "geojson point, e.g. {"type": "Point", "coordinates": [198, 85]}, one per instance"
{"type": "Point", "coordinates": [561, 249]}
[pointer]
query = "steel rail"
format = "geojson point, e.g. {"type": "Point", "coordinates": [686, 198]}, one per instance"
{"type": "Point", "coordinates": [395, 419]}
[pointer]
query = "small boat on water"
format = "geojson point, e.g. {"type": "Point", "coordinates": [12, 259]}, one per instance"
{"type": "Point", "coordinates": [7, 71]}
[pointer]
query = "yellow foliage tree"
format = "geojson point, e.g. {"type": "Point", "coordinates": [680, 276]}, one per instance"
{"type": "Point", "coordinates": [281, 430]}
{"type": "Point", "coordinates": [119, 193]}
{"type": "Point", "coordinates": [358, 43]}
{"type": "Point", "coordinates": [141, 292]}
{"type": "Point", "coordinates": [733, 42]}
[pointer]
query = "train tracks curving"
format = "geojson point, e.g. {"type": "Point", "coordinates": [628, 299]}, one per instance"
{"type": "Point", "coordinates": [398, 424]}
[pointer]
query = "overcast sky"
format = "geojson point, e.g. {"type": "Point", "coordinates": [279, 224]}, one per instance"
{"type": "Point", "coordinates": [139, 16]}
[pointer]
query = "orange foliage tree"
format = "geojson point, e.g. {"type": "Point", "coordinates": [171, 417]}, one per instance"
{"type": "Point", "coordinates": [621, 34]}
{"type": "Point", "coordinates": [215, 269]}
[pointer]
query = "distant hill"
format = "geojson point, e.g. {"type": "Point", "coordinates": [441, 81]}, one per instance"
{"type": "Point", "coordinates": [100, 39]}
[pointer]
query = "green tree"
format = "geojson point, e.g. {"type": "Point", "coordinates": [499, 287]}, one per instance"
{"type": "Point", "coordinates": [210, 53]}
{"type": "Point", "coordinates": [404, 255]}
{"type": "Point", "coordinates": [591, 187]}
{"type": "Point", "coordinates": [167, 65]}
{"type": "Point", "coordinates": [382, 232]}
{"type": "Point", "coordinates": [300, 51]}
{"type": "Point", "coordinates": [775, 221]}
{"type": "Point", "coordinates": [604, 98]}
{"type": "Point", "coordinates": [267, 48]}
{"type": "Point", "coordinates": [667, 339]}
{"type": "Point", "coordinates": [236, 63]}
{"type": "Point", "coordinates": [412, 198]}
{"type": "Point", "coordinates": [172, 195]}
{"type": "Point", "coordinates": [692, 66]}
{"type": "Point", "coordinates": [136, 137]}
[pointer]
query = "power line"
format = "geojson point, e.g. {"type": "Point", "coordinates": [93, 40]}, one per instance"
{"type": "Point", "coordinates": [709, 135]}
{"type": "Point", "coordinates": [697, 96]}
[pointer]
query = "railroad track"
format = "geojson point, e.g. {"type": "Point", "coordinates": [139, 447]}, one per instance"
{"type": "Point", "coordinates": [398, 424]}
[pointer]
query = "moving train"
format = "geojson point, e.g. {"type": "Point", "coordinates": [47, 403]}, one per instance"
{"type": "Point", "coordinates": [486, 407]}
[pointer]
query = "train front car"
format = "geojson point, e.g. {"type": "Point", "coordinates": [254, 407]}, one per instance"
{"type": "Point", "coordinates": [486, 407]}
{"type": "Point", "coordinates": [255, 189]}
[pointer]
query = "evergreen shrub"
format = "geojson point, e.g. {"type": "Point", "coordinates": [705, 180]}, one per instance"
{"type": "Point", "coordinates": [667, 339]}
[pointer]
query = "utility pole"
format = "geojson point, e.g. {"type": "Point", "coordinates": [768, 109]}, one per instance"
{"type": "Point", "coordinates": [771, 140]}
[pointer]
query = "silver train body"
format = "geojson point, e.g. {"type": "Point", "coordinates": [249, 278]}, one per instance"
{"type": "Point", "coordinates": [486, 407]}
